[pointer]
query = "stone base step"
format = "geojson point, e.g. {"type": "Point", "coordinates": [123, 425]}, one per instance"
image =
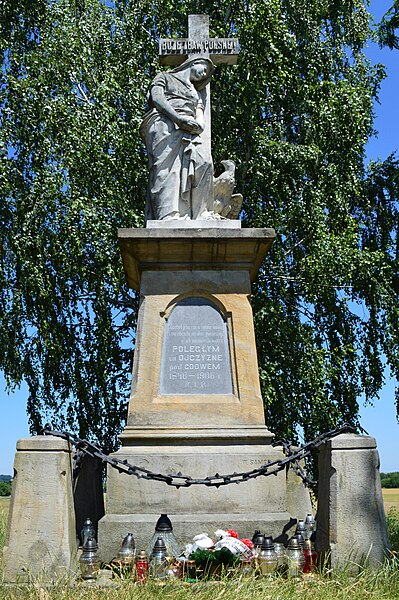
{"type": "Point", "coordinates": [113, 528]}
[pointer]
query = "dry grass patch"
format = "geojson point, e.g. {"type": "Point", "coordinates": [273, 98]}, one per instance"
{"type": "Point", "coordinates": [391, 498]}
{"type": "Point", "coordinates": [4, 504]}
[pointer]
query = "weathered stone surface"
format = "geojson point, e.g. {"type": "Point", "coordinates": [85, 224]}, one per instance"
{"type": "Point", "coordinates": [217, 269]}
{"type": "Point", "coordinates": [43, 443]}
{"type": "Point", "coordinates": [41, 537]}
{"type": "Point", "coordinates": [197, 433]}
{"type": "Point", "coordinates": [180, 167]}
{"type": "Point", "coordinates": [221, 50]}
{"type": "Point", "coordinates": [148, 406]}
{"type": "Point", "coordinates": [248, 506]}
{"type": "Point", "coordinates": [350, 518]}
{"type": "Point", "coordinates": [180, 249]}
{"type": "Point", "coordinates": [197, 461]}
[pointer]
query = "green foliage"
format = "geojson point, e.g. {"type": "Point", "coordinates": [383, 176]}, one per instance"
{"type": "Point", "coordinates": [393, 528]}
{"type": "Point", "coordinates": [386, 33]}
{"type": "Point", "coordinates": [5, 488]}
{"type": "Point", "coordinates": [294, 114]}
{"type": "Point", "coordinates": [206, 559]}
{"type": "Point", "coordinates": [390, 480]}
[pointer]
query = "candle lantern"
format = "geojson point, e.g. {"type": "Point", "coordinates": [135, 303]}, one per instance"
{"type": "Point", "coordinates": [279, 549]}
{"type": "Point", "coordinates": [142, 567]}
{"type": "Point", "coordinates": [299, 537]}
{"type": "Point", "coordinates": [295, 558]}
{"type": "Point", "coordinates": [87, 531]}
{"type": "Point", "coordinates": [89, 562]}
{"type": "Point", "coordinates": [158, 564]}
{"type": "Point", "coordinates": [310, 523]}
{"type": "Point", "coordinates": [301, 528]}
{"type": "Point", "coordinates": [246, 568]}
{"type": "Point", "coordinates": [267, 559]}
{"type": "Point", "coordinates": [257, 540]}
{"type": "Point", "coordinates": [164, 530]}
{"type": "Point", "coordinates": [175, 568]}
{"type": "Point", "coordinates": [310, 557]}
{"type": "Point", "coordinates": [127, 551]}
{"type": "Point", "coordinates": [191, 571]}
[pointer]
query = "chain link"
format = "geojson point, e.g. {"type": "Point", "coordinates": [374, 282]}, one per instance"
{"type": "Point", "coordinates": [293, 456]}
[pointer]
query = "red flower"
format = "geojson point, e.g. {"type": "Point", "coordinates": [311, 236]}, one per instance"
{"type": "Point", "coordinates": [232, 533]}
{"type": "Point", "coordinates": [247, 543]}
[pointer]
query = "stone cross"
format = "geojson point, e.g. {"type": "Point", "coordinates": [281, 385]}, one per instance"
{"type": "Point", "coordinates": [219, 50]}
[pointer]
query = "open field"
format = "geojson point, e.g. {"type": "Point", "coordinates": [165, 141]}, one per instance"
{"type": "Point", "coordinates": [4, 504]}
{"type": "Point", "coordinates": [391, 498]}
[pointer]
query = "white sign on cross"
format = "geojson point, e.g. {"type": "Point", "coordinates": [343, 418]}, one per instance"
{"type": "Point", "coordinates": [198, 43]}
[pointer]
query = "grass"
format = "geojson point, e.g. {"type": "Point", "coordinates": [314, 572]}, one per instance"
{"type": "Point", "coordinates": [4, 508]}
{"type": "Point", "coordinates": [377, 585]}
{"type": "Point", "coordinates": [330, 585]}
{"type": "Point", "coordinates": [393, 528]}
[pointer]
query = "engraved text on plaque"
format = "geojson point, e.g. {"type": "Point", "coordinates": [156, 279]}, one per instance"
{"type": "Point", "coordinates": [195, 353]}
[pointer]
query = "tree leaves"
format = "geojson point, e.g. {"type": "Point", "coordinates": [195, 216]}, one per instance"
{"type": "Point", "coordinates": [294, 114]}
{"type": "Point", "coordinates": [386, 32]}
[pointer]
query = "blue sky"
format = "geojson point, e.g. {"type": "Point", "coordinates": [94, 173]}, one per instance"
{"type": "Point", "coordinates": [379, 420]}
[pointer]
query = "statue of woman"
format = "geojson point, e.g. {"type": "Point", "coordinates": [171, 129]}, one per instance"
{"type": "Point", "coordinates": [180, 182]}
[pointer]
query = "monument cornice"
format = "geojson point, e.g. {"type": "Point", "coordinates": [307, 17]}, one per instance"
{"type": "Point", "coordinates": [193, 249]}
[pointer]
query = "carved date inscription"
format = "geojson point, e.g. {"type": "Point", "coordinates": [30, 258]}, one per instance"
{"type": "Point", "coordinates": [195, 354]}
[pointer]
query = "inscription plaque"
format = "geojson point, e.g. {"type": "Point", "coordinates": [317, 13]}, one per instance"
{"type": "Point", "coordinates": [223, 47]}
{"type": "Point", "coordinates": [195, 353]}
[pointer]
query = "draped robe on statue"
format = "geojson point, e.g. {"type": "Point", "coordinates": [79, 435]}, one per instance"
{"type": "Point", "coordinates": [180, 165]}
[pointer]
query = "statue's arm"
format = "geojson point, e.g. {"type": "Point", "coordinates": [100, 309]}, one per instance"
{"type": "Point", "coordinates": [160, 102]}
{"type": "Point", "coordinates": [162, 105]}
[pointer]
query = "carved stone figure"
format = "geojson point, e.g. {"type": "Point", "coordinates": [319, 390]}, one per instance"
{"type": "Point", "coordinates": [226, 204]}
{"type": "Point", "coordinates": [180, 164]}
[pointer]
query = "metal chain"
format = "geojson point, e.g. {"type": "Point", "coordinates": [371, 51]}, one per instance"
{"type": "Point", "coordinates": [293, 456]}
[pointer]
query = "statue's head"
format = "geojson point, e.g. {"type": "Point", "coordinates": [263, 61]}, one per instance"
{"type": "Point", "coordinates": [201, 69]}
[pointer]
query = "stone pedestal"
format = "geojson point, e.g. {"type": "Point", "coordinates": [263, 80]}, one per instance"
{"type": "Point", "coordinates": [351, 526]}
{"type": "Point", "coordinates": [41, 537]}
{"type": "Point", "coordinates": [195, 404]}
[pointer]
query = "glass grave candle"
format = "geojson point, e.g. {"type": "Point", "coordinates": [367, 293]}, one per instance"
{"type": "Point", "coordinates": [164, 530]}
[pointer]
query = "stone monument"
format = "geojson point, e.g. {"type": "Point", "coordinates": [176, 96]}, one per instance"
{"type": "Point", "coordinates": [195, 404]}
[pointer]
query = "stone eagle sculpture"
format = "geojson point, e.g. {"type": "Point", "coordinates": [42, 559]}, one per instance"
{"type": "Point", "coordinates": [226, 204]}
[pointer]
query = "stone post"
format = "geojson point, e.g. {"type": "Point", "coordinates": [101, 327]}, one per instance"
{"type": "Point", "coordinates": [351, 526]}
{"type": "Point", "coordinates": [41, 536]}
